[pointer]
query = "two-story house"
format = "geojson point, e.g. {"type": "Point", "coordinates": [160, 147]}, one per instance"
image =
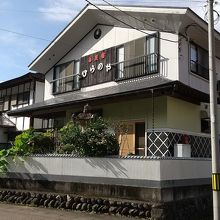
{"type": "Point", "coordinates": [15, 94]}
{"type": "Point", "coordinates": [143, 67]}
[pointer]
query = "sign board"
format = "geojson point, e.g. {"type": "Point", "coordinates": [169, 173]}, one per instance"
{"type": "Point", "coordinates": [97, 68]}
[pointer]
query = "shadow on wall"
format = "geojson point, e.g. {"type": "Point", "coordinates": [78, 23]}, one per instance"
{"type": "Point", "coordinates": [109, 165]}
{"type": "Point", "coordinates": [18, 168]}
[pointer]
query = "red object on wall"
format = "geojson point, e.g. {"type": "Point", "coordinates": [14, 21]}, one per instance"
{"type": "Point", "coordinates": [96, 57]}
{"type": "Point", "coordinates": [103, 54]}
{"type": "Point", "coordinates": [90, 59]}
{"type": "Point", "coordinates": [185, 139]}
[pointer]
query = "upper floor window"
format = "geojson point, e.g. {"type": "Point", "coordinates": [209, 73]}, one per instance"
{"type": "Point", "coordinates": [199, 61]}
{"type": "Point", "coordinates": [23, 98]}
{"type": "Point", "coordinates": [138, 57]}
{"type": "Point", "coordinates": [14, 96]}
{"type": "Point", "coordinates": [66, 77]}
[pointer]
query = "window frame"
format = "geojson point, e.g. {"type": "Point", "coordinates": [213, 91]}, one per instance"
{"type": "Point", "coordinates": [156, 36]}
{"type": "Point", "coordinates": [54, 85]}
{"type": "Point", "coordinates": [204, 75]}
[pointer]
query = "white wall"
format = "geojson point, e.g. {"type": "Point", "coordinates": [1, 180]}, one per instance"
{"type": "Point", "coordinates": [113, 36]}
{"type": "Point", "coordinates": [169, 50]}
{"type": "Point", "coordinates": [47, 86]}
{"type": "Point", "coordinates": [185, 75]}
{"type": "Point", "coordinates": [39, 92]}
{"type": "Point", "coordinates": [114, 168]}
{"type": "Point", "coordinates": [185, 169]}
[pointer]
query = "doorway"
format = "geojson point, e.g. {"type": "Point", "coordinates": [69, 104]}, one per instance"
{"type": "Point", "coordinates": [140, 138]}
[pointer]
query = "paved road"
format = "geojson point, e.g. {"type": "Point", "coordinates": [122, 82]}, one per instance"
{"type": "Point", "coordinates": [13, 212]}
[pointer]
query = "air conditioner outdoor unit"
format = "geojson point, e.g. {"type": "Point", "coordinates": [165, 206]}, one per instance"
{"type": "Point", "coordinates": [205, 108]}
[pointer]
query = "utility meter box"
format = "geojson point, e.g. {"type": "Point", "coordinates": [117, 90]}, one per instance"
{"type": "Point", "coordinates": [182, 150]}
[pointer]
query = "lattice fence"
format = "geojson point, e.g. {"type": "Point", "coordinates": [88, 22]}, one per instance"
{"type": "Point", "coordinates": [161, 144]}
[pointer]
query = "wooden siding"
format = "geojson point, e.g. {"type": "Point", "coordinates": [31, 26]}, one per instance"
{"type": "Point", "coordinates": [99, 76]}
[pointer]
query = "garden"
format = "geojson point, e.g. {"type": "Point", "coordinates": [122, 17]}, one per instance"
{"type": "Point", "coordinates": [92, 138]}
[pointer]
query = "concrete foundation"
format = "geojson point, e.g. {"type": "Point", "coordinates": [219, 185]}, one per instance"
{"type": "Point", "coordinates": [174, 188]}
{"type": "Point", "coordinates": [192, 202]}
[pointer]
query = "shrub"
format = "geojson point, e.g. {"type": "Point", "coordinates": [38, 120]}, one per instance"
{"type": "Point", "coordinates": [32, 142]}
{"type": "Point", "coordinates": [93, 139]}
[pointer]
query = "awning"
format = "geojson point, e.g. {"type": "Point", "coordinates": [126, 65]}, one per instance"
{"type": "Point", "coordinates": [135, 88]}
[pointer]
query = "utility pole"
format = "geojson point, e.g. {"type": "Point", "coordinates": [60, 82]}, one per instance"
{"type": "Point", "coordinates": [213, 115]}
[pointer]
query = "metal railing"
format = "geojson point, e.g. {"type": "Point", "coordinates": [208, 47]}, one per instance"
{"type": "Point", "coordinates": [141, 66]}
{"type": "Point", "coordinates": [65, 84]}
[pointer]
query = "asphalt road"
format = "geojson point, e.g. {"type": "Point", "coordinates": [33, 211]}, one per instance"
{"type": "Point", "coordinates": [13, 212]}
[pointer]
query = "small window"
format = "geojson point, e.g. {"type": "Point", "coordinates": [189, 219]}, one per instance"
{"type": "Point", "coordinates": [120, 61]}
{"type": "Point", "coordinates": [21, 88]}
{"type": "Point", "coordinates": [152, 54]}
{"type": "Point", "coordinates": [23, 98]}
{"type": "Point", "coordinates": [199, 61]}
{"type": "Point", "coordinates": [8, 91]}
{"type": "Point", "coordinates": [66, 77]}
{"type": "Point", "coordinates": [76, 73]}
{"type": "Point", "coordinates": [193, 58]}
{"type": "Point", "coordinates": [1, 107]}
{"type": "Point", "coordinates": [63, 78]}
{"type": "Point", "coordinates": [6, 104]}
{"type": "Point", "coordinates": [3, 93]}
{"type": "Point", "coordinates": [14, 90]}
{"type": "Point", "coordinates": [27, 87]}
{"type": "Point", "coordinates": [140, 138]}
{"type": "Point", "coordinates": [13, 100]}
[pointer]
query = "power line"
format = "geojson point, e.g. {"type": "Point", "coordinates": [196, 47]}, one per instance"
{"type": "Point", "coordinates": [24, 35]}
{"type": "Point", "coordinates": [131, 15]}
{"type": "Point", "coordinates": [33, 11]}
{"type": "Point", "coordinates": [127, 23]}
{"type": "Point", "coordinates": [170, 2]}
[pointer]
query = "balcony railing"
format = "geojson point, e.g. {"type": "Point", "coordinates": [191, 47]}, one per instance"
{"type": "Point", "coordinates": [65, 84]}
{"type": "Point", "coordinates": [199, 69]}
{"type": "Point", "coordinates": [140, 66]}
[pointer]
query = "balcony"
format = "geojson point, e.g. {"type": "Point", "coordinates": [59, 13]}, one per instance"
{"type": "Point", "coordinates": [145, 65]}
{"type": "Point", "coordinates": [141, 66]}
{"type": "Point", "coordinates": [65, 84]}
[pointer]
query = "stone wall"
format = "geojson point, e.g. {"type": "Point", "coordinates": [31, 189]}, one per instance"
{"type": "Point", "coordinates": [174, 188]}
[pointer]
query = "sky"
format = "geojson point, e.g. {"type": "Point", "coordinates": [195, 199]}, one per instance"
{"type": "Point", "coordinates": [42, 20]}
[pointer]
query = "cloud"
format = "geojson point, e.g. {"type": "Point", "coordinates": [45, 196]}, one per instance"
{"type": "Point", "coordinates": [61, 10]}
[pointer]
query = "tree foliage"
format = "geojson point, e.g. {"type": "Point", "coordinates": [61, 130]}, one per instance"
{"type": "Point", "coordinates": [92, 139]}
{"type": "Point", "coordinates": [26, 143]}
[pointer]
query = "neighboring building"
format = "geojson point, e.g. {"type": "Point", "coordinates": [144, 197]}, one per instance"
{"type": "Point", "coordinates": [152, 78]}
{"type": "Point", "coordinates": [15, 94]}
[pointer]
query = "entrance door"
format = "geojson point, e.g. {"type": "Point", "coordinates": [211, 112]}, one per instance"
{"type": "Point", "coordinates": [126, 139]}
{"type": "Point", "coordinates": [140, 138]}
